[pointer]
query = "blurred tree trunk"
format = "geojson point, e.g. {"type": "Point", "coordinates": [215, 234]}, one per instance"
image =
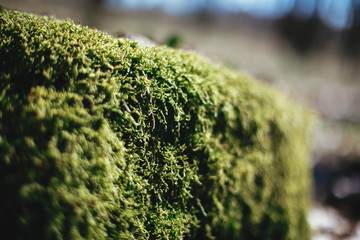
{"type": "Point", "coordinates": [205, 11]}
{"type": "Point", "coordinates": [352, 36]}
{"type": "Point", "coordinates": [302, 33]}
{"type": "Point", "coordinates": [92, 10]}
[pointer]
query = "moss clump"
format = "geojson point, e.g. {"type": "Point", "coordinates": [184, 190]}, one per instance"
{"type": "Point", "coordinates": [104, 139]}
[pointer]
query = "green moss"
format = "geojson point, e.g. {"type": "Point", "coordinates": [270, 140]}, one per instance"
{"type": "Point", "coordinates": [104, 139]}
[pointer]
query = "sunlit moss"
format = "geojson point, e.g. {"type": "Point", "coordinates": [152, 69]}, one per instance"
{"type": "Point", "coordinates": [104, 139]}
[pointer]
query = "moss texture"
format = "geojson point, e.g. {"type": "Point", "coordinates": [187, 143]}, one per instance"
{"type": "Point", "coordinates": [101, 138]}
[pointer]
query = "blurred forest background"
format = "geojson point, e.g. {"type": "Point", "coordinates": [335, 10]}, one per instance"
{"type": "Point", "coordinates": [307, 49]}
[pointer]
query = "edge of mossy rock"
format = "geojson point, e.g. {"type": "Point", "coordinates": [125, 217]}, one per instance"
{"type": "Point", "coordinates": [104, 139]}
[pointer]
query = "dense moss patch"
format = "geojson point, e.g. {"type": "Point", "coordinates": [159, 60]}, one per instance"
{"type": "Point", "coordinates": [101, 138]}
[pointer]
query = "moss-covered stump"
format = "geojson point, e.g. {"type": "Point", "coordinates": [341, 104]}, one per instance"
{"type": "Point", "coordinates": [104, 139]}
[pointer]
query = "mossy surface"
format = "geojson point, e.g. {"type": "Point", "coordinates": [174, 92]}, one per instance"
{"type": "Point", "coordinates": [101, 138]}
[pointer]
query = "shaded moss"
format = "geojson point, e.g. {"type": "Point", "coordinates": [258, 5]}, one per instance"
{"type": "Point", "coordinates": [104, 139]}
